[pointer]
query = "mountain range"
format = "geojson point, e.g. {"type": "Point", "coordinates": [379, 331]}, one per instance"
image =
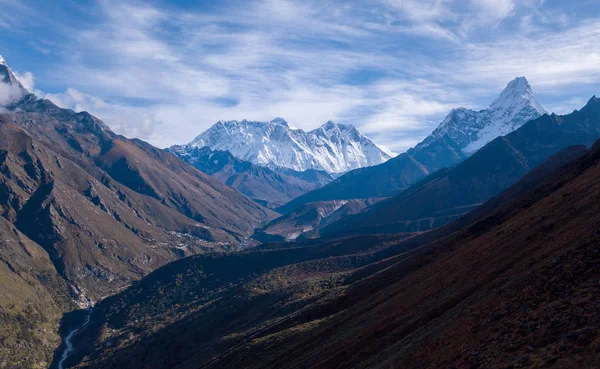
{"type": "Point", "coordinates": [452, 192]}
{"type": "Point", "coordinates": [457, 137]}
{"type": "Point", "coordinates": [333, 147]}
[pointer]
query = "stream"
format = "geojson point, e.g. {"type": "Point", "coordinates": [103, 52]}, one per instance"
{"type": "Point", "coordinates": [67, 340]}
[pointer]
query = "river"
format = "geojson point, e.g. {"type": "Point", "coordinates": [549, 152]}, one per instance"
{"type": "Point", "coordinates": [68, 338]}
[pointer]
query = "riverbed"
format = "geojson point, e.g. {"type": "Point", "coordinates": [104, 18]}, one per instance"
{"type": "Point", "coordinates": [68, 338]}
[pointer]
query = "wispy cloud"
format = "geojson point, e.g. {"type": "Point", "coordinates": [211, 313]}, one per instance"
{"type": "Point", "coordinates": [393, 68]}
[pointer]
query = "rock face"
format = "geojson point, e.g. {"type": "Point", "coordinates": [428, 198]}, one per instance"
{"type": "Point", "coordinates": [462, 133]}
{"type": "Point", "coordinates": [512, 284]}
{"type": "Point", "coordinates": [333, 147]}
{"type": "Point", "coordinates": [107, 209]}
{"type": "Point", "coordinates": [271, 187]}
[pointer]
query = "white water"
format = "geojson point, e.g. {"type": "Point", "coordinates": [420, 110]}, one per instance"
{"type": "Point", "coordinates": [68, 344]}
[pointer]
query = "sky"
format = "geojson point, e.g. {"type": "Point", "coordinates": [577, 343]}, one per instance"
{"type": "Point", "coordinates": [164, 71]}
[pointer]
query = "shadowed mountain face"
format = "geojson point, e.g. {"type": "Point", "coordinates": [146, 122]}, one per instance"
{"type": "Point", "coordinates": [108, 209]}
{"type": "Point", "coordinates": [461, 134]}
{"type": "Point", "coordinates": [272, 187]}
{"type": "Point", "coordinates": [512, 284]}
{"type": "Point", "coordinates": [452, 192]}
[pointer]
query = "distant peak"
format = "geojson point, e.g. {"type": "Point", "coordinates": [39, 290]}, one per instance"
{"type": "Point", "coordinates": [331, 124]}
{"type": "Point", "coordinates": [7, 76]}
{"type": "Point", "coordinates": [283, 122]}
{"type": "Point", "coordinates": [517, 86]}
{"type": "Point", "coordinates": [275, 143]}
{"type": "Point", "coordinates": [520, 84]}
{"type": "Point", "coordinates": [517, 92]}
{"type": "Point", "coordinates": [279, 120]}
{"type": "Point", "coordinates": [592, 103]}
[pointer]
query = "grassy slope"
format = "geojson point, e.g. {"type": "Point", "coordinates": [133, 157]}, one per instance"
{"type": "Point", "coordinates": [32, 299]}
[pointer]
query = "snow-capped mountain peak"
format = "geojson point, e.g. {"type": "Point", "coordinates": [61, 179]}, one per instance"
{"type": "Point", "coordinates": [333, 125]}
{"type": "Point", "coordinates": [15, 90]}
{"type": "Point", "coordinates": [333, 147]}
{"type": "Point", "coordinates": [331, 128]}
{"type": "Point", "coordinates": [469, 130]}
{"type": "Point", "coordinates": [515, 106]}
{"type": "Point", "coordinates": [517, 92]}
{"type": "Point", "coordinates": [283, 122]}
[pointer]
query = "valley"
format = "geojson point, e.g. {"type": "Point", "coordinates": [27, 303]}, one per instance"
{"type": "Point", "coordinates": [412, 286]}
{"type": "Point", "coordinates": [422, 205]}
{"type": "Point", "coordinates": [310, 300]}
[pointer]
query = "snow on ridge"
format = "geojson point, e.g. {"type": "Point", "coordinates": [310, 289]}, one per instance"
{"type": "Point", "coordinates": [471, 130]}
{"type": "Point", "coordinates": [2, 61]}
{"type": "Point", "coordinates": [517, 92]}
{"type": "Point", "coordinates": [333, 147]}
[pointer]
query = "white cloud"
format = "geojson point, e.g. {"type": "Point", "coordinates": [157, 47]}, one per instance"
{"type": "Point", "coordinates": [26, 79]}
{"type": "Point", "coordinates": [9, 93]}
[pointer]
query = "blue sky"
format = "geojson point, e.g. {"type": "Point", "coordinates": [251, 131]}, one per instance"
{"type": "Point", "coordinates": [165, 71]}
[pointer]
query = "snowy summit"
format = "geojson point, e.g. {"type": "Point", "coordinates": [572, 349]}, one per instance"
{"type": "Point", "coordinates": [333, 147]}
{"type": "Point", "coordinates": [470, 130]}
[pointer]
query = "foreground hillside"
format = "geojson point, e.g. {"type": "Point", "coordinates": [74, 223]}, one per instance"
{"type": "Point", "coordinates": [513, 284]}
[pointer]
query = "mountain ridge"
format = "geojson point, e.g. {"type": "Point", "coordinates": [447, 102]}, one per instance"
{"type": "Point", "coordinates": [332, 147]}
{"type": "Point", "coordinates": [454, 191]}
{"type": "Point", "coordinates": [447, 145]}
{"type": "Point", "coordinates": [271, 186]}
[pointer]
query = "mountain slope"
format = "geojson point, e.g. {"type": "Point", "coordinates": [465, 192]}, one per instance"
{"type": "Point", "coordinates": [458, 136]}
{"type": "Point", "coordinates": [332, 147]}
{"type": "Point", "coordinates": [455, 191]}
{"type": "Point", "coordinates": [515, 286]}
{"type": "Point", "coordinates": [262, 184]}
{"type": "Point", "coordinates": [108, 209]}
{"type": "Point", "coordinates": [33, 298]}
